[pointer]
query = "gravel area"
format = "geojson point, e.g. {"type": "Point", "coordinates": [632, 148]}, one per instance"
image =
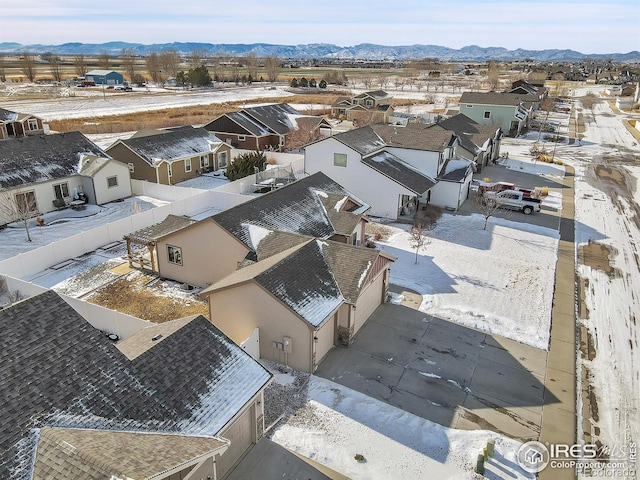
{"type": "Point", "coordinates": [286, 396]}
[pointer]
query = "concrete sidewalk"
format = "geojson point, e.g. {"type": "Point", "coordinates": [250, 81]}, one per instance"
{"type": "Point", "coordinates": [559, 418]}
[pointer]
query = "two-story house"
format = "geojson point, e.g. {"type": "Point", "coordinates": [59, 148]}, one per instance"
{"type": "Point", "coordinates": [509, 111]}
{"type": "Point", "coordinates": [374, 106]}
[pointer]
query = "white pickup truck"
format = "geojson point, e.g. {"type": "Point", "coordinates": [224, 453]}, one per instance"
{"type": "Point", "coordinates": [513, 200]}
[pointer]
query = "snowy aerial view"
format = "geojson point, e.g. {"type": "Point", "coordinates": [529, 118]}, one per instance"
{"type": "Point", "coordinates": [320, 257]}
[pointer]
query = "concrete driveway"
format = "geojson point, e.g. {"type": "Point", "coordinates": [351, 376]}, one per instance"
{"type": "Point", "coordinates": [450, 374]}
{"type": "Point", "coordinates": [548, 217]}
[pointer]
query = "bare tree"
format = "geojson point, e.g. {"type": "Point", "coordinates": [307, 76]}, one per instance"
{"type": "Point", "coordinates": [367, 81]}
{"type": "Point", "coordinates": [10, 296]}
{"type": "Point", "coordinates": [153, 66]}
{"type": "Point", "coordinates": [104, 61]}
{"type": "Point", "coordinates": [419, 238]}
{"type": "Point", "coordinates": [493, 76]}
{"type": "Point", "coordinates": [197, 57]}
{"type": "Point", "coordinates": [488, 207]}
{"type": "Point", "coordinates": [304, 134]}
{"type": "Point", "coordinates": [383, 80]}
{"type": "Point", "coordinates": [80, 64]}
{"type": "Point", "coordinates": [28, 66]}
{"type": "Point", "coordinates": [128, 59]}
{"type": "Point", "coordinates": [169, 61]}
{"type": "Point", "coordinates": [251, 64]}
{"type": "Point", "coordinates": [19, 206]}
{"type": "Point", "coordinates": [3, 66]}
{"type": "Point", "coordinates": [272, 67]}
{"type": "Point", "coordinates": [55, 66]}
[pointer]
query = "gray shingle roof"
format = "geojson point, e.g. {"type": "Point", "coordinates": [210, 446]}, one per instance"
{"type": "Point", "coordinates": [173, 145]}
{"type": "Point", "coordinates": [363, 140]}
{"type": "Point", "coordinates": [149, 235]}
{"type": "Point", "coordinates": [294, 208]}
{"type": "Point", "coordinates": [496, 98]}
{"type": "Point", "coordinates": [415, 136]}
{"type": "Point", "coordinates": [39, 158]}
{"type": "Point", "coordinates": [82, 454]}
{"type": "Point", "coordinates": [391, 166]}
{"type": "Point", "coordinates": [7, 115]}
{"type": "Point", "coordinates": [471, 134]}
{"type": "Point", "coordinates": [455, 170]}
{"type": "Point", "coordinates": [57, 370]}
{"type": "Point", "coordinates": [276, 117]}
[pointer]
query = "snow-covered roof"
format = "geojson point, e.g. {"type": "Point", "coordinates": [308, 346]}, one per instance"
{"type": "Point", "coordinates": [101, 72]}
{"type": "Point", "coordinates": [65, 373]}
{"type": "Point", "coordinates": [363, 140]}
{"type": "Point", "coordinates": [294, 208]}
{"type": "Point", "coordinates": [7, 115]}
{"type": "Point", "coordinates": [39, 158]}
{"type": "Point", "coordinates": [149, 235]}
{"type": "Point", "coordinates": [455, 170]}
{"type": "Point", "coordinates": [313, 277]}
{"type": "Point", "coordinates": [400, 172]}
{"type": "Point", "coordinates": [172, 145]}
{"type": "Point", "coordinates": [276, 117]}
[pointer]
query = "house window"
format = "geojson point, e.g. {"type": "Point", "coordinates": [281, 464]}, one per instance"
{"type": "Point", "coordinates": [132, 167]}
{"type": "Point", "coordinates": [174, 255]}
{"type": "Point", "coordinates": [204, 161]}
{"type": "Point", "coordinates": [487, 114]}
{"type": "Point", "coordinates": [187, 165]}
{"type": "Point", "coordinates": [241, 138]}
{"type": "Point", "coordinates": [369, 103]}
{"type": "Point", "coordinates": [282, 140]}
{"type": "Point", "coordinates": [339, 159]}
{"type": "Point", "coordinates": [169, 170]}
{"type": "Point", "coordinates": [26, 202]}
{"type": "Point", "coordinates": [222, 160]}
{"type": "Point", "coordinates": [469, 106]}
{"type": "Point", "coordinates": [112, 182]}
{"type": "Point", "coordinates": [61, 190]}
{"type": "Point", "coordinates": [33, 124]}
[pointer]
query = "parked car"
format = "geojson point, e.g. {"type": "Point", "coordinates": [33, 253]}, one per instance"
{"type": "Point", "coordinates": [513, 200]}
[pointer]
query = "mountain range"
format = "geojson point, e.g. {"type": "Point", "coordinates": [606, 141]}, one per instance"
{"type": "Point", "coordinates": [364, 51]}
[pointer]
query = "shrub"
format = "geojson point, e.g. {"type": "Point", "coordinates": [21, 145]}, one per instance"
{"type": "Point", "coordinates": [245, 164]}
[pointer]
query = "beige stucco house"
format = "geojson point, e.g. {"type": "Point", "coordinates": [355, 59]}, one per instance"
{"type": "Point", "coordinates": [304, 300]}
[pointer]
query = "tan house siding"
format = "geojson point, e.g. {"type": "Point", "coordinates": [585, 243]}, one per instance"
{"type": "Point", "coordinates": [237, 311]}
{"type": "Point", "coordinates": [242, 431]}
{"type": "Point", "coordinates": [370, 298]}
{"type": "Point", "coordinates": [141, 169]}
{"type": "Point", "coordinates": [209, 254]}
{"type": "Point", "coordinates": [326, 338]}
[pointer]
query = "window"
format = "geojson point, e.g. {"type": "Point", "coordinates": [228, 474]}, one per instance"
{"type": "Point", "coordinates": [187, 165]}
{"type": "Point", "coordinates": [339, 159]}
{"type": "Point", "coordinates": [241, 138]}
{"type": "Point", "coordinates": [282, 140]}
{"type": "Point", "coordinates": [33, 124]}
{"type": "Point", "coordinates": [169, 170]}
{"type": "Point", "coordinates": [469, 106]}
{"type": "Point", "coordinates": [26, 202]}
{"type": "Point", "coordinates": [174, 255]}
{"type": "Point", "coordinates": [112, 181]}
{"type": "Point", "coordinates": [132, 167]}
{"type": "Point", "coordinates": [369, 103]}
{"type": "Point", "coordinates": [222, 160]}
{"type": "Point", "coordinates": [487, 114]}
{"type": "Point", "coordinates": [204, 161]}
{"type": "Point", "coordinates": [61, 190]}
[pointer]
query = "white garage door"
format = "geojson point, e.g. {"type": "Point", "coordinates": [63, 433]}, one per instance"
{"type": "Point", "coordinates": [240, 434]}
{"type": "Point", "coordinates": [368, 301]}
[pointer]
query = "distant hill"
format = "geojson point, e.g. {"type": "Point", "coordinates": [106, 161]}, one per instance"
{"type": "Point", "coordinates": [364, 51]}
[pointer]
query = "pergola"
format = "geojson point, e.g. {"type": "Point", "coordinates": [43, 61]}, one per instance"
{"type": "Point", "coordinates": [149, 236]}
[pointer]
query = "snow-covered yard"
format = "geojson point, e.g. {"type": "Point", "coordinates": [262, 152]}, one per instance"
{"type": "Point", "coordinates": [499, 280]}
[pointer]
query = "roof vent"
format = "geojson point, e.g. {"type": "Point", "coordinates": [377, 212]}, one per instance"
{"type": "Point", "coordinates": [113, 337]}
{"type": "Point", "coordinates": [157, 337]}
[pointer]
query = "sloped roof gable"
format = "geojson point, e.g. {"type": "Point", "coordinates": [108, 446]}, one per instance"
{"type": "Point", "coordinates": [40, 158]}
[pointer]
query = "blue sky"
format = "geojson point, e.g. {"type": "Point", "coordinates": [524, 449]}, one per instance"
{"type": "Point", "coordinates": [588, 26]}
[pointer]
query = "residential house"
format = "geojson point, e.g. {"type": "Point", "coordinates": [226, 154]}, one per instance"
{"type": "Point", "coordinates": [15, 125]}
{"type": "Point", "coordinates": [367, 107]}
{"type": "Point", "coordinates": [265, 127]}
{"type": "Point", "coordinates": [522, 87]}
{"type": "Point", "coordinates": [509, 111]}
{"type": "Point", "coordinates": [46, 172]}
{"type": "Point", "coordinates": [315, 206]}
{"type": "Point", "coordinates": [171, 156]}
{"type": "Point", "coordinates": [304, 295]}
{"type": "Point", "coordinates": [393, 168]}
{"type": "Point", "coordinates": [478, 143]}
{"type": "Point", "coordinates": [104, 77]}
{"type": "Point", "coordinates": [176, 400]}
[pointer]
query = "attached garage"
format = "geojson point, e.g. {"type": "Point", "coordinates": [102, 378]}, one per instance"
{"type": "Point", "coordinates": [326, 338]}
{"type": "Point", "coordinates": [241, 434]}
{"type": "Point", "coordinates": [370, 299]}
